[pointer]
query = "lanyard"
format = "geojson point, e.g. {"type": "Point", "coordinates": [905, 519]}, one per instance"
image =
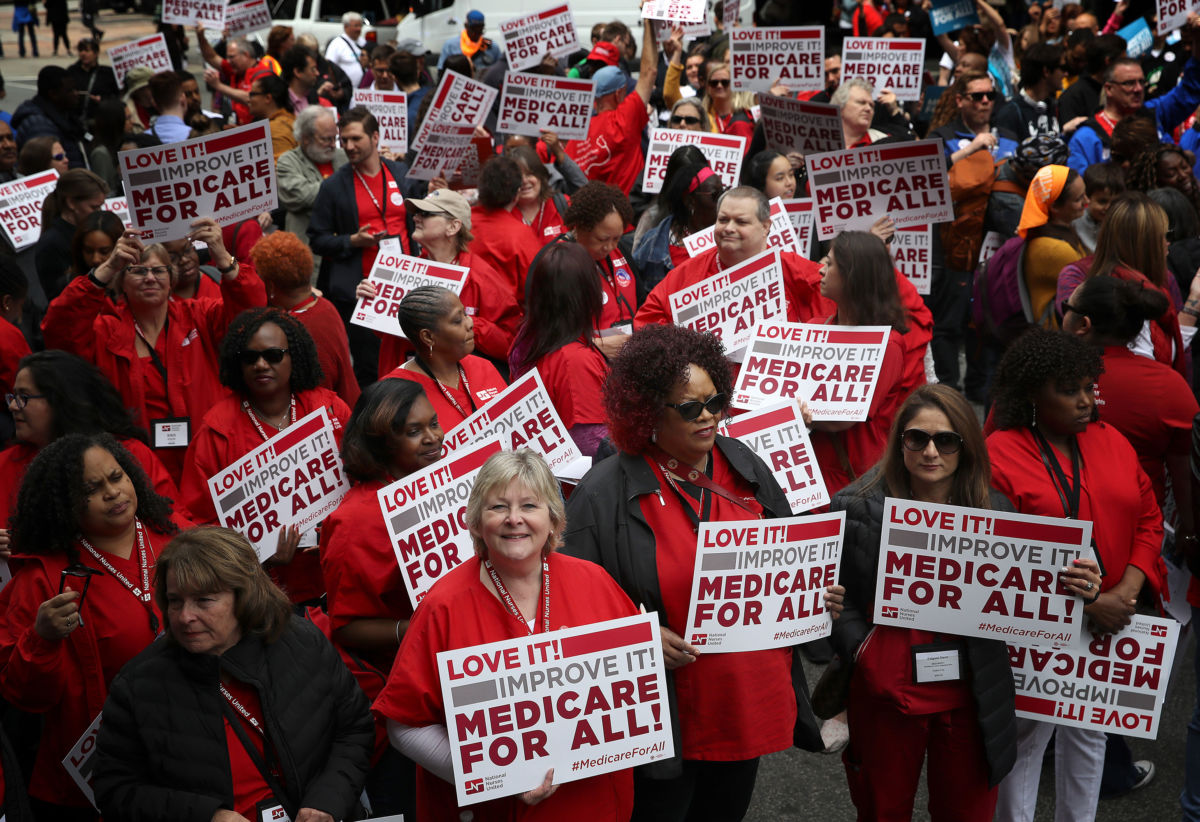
{"type": "Point", "coordinates": [383, 176]}
{"type": "Point", "coordinates": [705, 508]}
{"type": "Point", "coordinates": [254, 417]}
{"type": "Point", "coordinates": [243, 711]}
{"type": "Point", "coordinates": [668, 464]}
{"type": "Point", "coordinates": [610, 278]}
{"type": "Point", "coordinates": [507, 599]}
{"type": "Point", "coordinates": [462, 375]}
{"type": "Point", "coordinates": [154, 358]}
{"type": "Point", "coordinates": [1067, 494]}
{"type": "Point", "coordinates": [142, 594]}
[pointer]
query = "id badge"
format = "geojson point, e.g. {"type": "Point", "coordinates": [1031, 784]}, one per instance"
{"type": "Point", "coordinates": [271, 811]}
{"type": "Point", "coordinates": [171, 432]}
{"type": "Point", "coordinates": [936, 662]}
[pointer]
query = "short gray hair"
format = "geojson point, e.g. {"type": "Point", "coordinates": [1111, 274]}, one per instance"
{"type": "Point", "coordinates": [527, 466]}
{"type": "Point", "coordinates": [243, 46]}
{"type": "Point", "coordinates": [306, 121]}
{"type": "Point", "coordinates": [762, 204]}
{"type": "Point", "coordinates": [351, 17]}
{"type": "Point", "coordinates": [842, 95]}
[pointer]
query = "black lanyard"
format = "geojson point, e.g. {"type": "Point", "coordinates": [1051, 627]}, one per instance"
{"type": "Point", "coordinates": [610, 278]}
{"type": "Point", "coordinates": [156, 360]}
{"type": "Point", "coordinates": [1068, 494]}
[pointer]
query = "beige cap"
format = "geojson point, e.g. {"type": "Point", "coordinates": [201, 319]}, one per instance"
{"type": "Point", "coordinates": [136, 78]}
{"type": "Point", "coordinates": [446, 201]}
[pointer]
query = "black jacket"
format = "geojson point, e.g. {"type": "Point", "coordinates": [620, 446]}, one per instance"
{"type": "Point", "coordinates": [605, 525]}
{"type": "Point", "coordinates": [162, 753]}
{"type": "Point", "coordinates": [38, 117]}
{"type": "Point", "coordinates": [987, 659]}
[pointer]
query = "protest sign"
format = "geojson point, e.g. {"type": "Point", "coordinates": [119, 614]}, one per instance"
{"type": "Point", "coordinates": [691, 31]}
{"type": "Point", "coordinates": [245, 18]}
{"type": "Point", "coordinates": [120, 207]}
{"type": "Point", "coordinates": [793, 56]}
{"type": "Point", "coordinates": [585, 701]}
{"type": "Point", "coordinates": [1137, 37]}
{"type": "Point", "coordinates": [781, 236]}
{"type": "Point", "coordinates": [975, 572]}
{"type": "Point", "coordinates": [1173, 14]}
{"type": "Point", "coordinates": [729, 14]}
{"type": "Point", "coordinates": [294, 478]}
{"type": "Point", "coordinates": [679, 11]}
{"type": "Point", "coordinates": [394, 274]}
{"type": "Point", "coordinates": [209, 13]}
{"type": "Point", "coordinates": [80, 761]}
{"type": "Point", "coordinates": [854, 188]}
{"type": "Point", "coordinates": [457, 101]}
{"type": "Point", "coordinates": [1115, 683]}
{"type": "Point", "coordinates": [778, 435]}
{"type": "Point", "coordinates": [929, 99]}
{"type": "Point", "coordinates": [446, 147]}
{"type": "Point", "coordinates": [895, 63]}
{"type": "Point", "coordinates": [21, 207]}
{"type": "Point", "coordinates": [229, 176]}
{"type": "Point", "coordinates": [724, 153]}
{"type": "Point", "coordinates": [991, 243]}
{"type": "Point", "coordinates": [148, 51]}
{"type": "Point", "coordinates": [522, 416]}
{"type": "Point", "coordinates": [391, 110]}
{"type": "Point", "coordinates": [761, 584]}
{"type": "Point", "coordinates": [833, 368]}
{"type": "Point", "coordinates": [700, 241]}
{"type": "Point", "coordinates": [533, 102]}
{"type": "Point", "coordinates": [426, 516]}
{"type": "Point", "coordinates": [798, 125]}
{"type": "Point", "coordinates": [951, 15]}
{"type": "Point", "coordinates": [912, 251]}
{"type": "Point", "coordinates": [800, 212]}
{"type": "Point", "coordinates": [732, 302]}
{"type": "Point", "coordinates": [528, 38]}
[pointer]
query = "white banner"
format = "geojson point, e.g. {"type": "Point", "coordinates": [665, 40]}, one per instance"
{"type": "Point", "coordinates": [894, 63]}
{"type": "Point", "coordinates": [1172, 14]}
{"type": "Point", "coordinates": [723, 151]}
{"type": "Point", "coordinates": [190, 12]}
{"type": "Point", "coordinates": [679, 11]}
{"type": "Point", "coordinates": [120, 207]}
{"type": "Point", "coordinates": [798, 125]}
{"type": "Point", "coordinates": [761, 57]}
{"type": "Point", "coordinates": [528, 38]}
{"type": "Point", "coordinates": [391, 110]}
{"type": "Point", "coordinates": [778, 435]}
{"type": "Point", "coordinates": [446, 146]}
{"type": "Point", "coordinates": [584, 701]}
{"type": "Point", "coordinates": [662, 30]}
{"type": "Point", "coordinates": [80, 761]}
{"type": "Point", "coordinates": [732, 302]}
{"type": "Point", "coordinates": [457, 101]}
{"type": "Point", "coordinates": [248, 17]}
{"type": "Point", "coordinates": [394, 274]}
{"type": "Point", "coordinates": [533, 102]}
{"type": "Point", "coordinates": [21, 207]}
{"type": "Point", "coordinates": [148, 51]}
{"type": "Point", "coordinates": [912, 251]}
{"type": "Point", "coordinates": [800, 212]}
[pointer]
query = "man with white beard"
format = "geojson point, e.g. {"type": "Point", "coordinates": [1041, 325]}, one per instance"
{"type": "Point", "coordinates": [301, 170]}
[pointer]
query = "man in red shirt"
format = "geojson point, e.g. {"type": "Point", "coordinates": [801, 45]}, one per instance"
{"type": "Point", "coordinates": [234, 75]}
{"type": "Point", "coordinates": [612, 152]}
{"type": "Point", "coordinates": [501, 240]}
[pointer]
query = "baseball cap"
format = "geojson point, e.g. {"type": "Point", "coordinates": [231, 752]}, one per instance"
{"type": "Point", "coordinates": [445, 201]}
{"type": "Point", "coordinates": [136, 78]}
{"type": "Point", "coordinates": [608, 80]}
{"type": "Point", "coordinates": [474, 16]}
{"type": "Point", "coordinates": [605, 51]}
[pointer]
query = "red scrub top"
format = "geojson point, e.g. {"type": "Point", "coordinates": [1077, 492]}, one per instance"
{"type": "Point", "coordinates": [574, 377]}
{"type": "Point", "coordinates": [485, 381]}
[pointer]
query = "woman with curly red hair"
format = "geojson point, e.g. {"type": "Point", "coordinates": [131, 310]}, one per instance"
{"type": "Point", "coordinates": [636, 514]}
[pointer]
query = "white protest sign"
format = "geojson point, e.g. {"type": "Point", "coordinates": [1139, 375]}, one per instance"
{"type": "Point", "coordinates": [120, 207]}
{"type": "Point", "coordinates": [1172, 14]}
{"type": "Point", "coordinates": [895, 63]}
{"type": "Point", "coordinates": [533, 102]}
{"type": "Point", "coordinates": [691, 31]}
{"type": "Point", "coordinates": [528, 38]}
{"type": "Point", "coordinates": [21, 207]}
{"type": "Point", "coordinates": [679, 11]}
{"type": "Point", "coordinates": [793, 56]}
{"type": "Point", "coordinates": [585, 701]}
{"type": "Point", "coordinates": [445, 147]}
{"type": "Point", "coordinates": [1115, 683]}
{"type": "Point", "coordinates": [781, 236]}
{"type": "Point", "coordinates": [833, 368]}
{"type": "Point", "coordinates": [426, 512]}
{"type": "Point", "coordinates": [761, 584]}
{"type": "Point", "coordinates": [732, 302]}
{"type": "Point", "coordinates": [798, 125]}
{"type": "Point", "coordinates": [80, 761]}
{"type": "Point", "coordinates": [457, 101]}
{"type": "Point", "coordinates": [294, 478]}
{"type": "Point", "coordinates": [975, 572]}
{"type": "Point", "coordinates": [912, 251]}
{"type": "Point", "coordinates": [247, 17]}
{"type": "Point", "coordinates": [148, 51]}
{"type": "Point", "coordinates": [729, 14]}
{"type": "Point", "coordinates": [991, 244]}
{"type": "Point", "coordinates": [778, 435]}
{"type": "Point", "coordinates": [229, 176]}
{"type": "Point", "coordinates": [800, 212]}
{"type": "Point", "coordinates": [522, 416]}
{"type": "Point", "coordinates": [907, 182]}
{"type": "Point", "coordinates": [700, 241]}
{"type": "Point", "coordinates": [210, 13]}
{"type": "Point", "coordinates": [394, 274]}
{"type": "Point", "coordinates": [391, 110]}
{"type": "Point", "coordinates": [724, 153]}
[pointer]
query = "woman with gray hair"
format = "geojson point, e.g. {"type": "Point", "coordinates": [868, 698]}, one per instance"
{"type": "Point", "coordinates": [516, 584]}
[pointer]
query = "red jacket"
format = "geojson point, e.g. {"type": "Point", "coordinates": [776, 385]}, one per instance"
{"type": "Point", "coordinates": [12, 348]}
{"type": "Point", "coordinates": [325, 326]}
{"type": "Point", "coordinates": [507, 245]}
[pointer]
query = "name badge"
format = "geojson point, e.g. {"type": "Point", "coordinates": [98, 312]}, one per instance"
{"type": "Point", "coordinates": [270, 811]}
{"type": "Point", "coordinates": [173, 432]}
{"type": "Point", "coordinates": [936, 662]}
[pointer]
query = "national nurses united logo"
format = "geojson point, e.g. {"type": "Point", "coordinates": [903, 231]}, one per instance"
{"type": "Point", "coordinates": [473, 786]}
{"type": "Point", "coordinates": [890, 612]}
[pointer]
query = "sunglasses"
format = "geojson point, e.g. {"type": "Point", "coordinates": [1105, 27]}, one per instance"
{"type": "Point", "coordinates": [719, 83]}
{"type": "Point", "coordinates": [686, 120]}
{"type": "Point", "coordinates": [273, 356]}
{"type": "Point", "coordinates": [58, 158]}
{"type": "Point", "coordinates": [946, 442]}
{"type": "Point", "coordinates": [690, 411]}
{"type": "Point", "coordinates": [980, 96]}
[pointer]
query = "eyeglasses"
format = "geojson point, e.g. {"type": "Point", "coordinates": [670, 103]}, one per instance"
{"type": "Point", "coordinates": [1065, 306]}
{"type": "Point", "coordinates": [1130, 85]}
{"type": "Point", "coordinates": [714, 192]}
{"type": "Point", "coordinates": [719, 83]}
{"type": "Point", "coordinates": [187, 251]}
{"type": "Point", "coordinates": [58, 158]}
{"type": "Point", "coordinates": [273, 356]}
{"type": "Point", "coordinates": [676, 119]}
{"type": "Point", "coordinates": [141, 272]}
{"type": "Point", "coordinates": [690, 411]}
{"type": "Point", "coordinates": [946, 442]}
{"type": "Point", "coordinates": [259, 93]}
{"type": "Point", "coordinates": [20, 399]}
{"type": "Point", "coordinates": [980, 96]}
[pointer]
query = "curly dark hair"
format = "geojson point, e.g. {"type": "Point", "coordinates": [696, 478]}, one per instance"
{"type": "Point", "coordinates": [52, 498]}
{"type": "Point", "coordinates": [499, 182]}
{"type": "Point", "coordinates": [306, 365]}
{"type": "Point", "coordinates": [595, 201]}
{"type": "Point", "coordinates": [649, 367]}
{"type": "Point", "coordinates": [1039, 356]}
{"type": "Point", "coordinates": [82, 399]}
{"type": "Point", "coordinates": [1143, 171]}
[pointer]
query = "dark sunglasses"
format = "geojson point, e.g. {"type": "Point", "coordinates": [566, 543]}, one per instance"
{"type": "Point", "coordinates": [273, 356]}
{"type": "Point", "coordinates": [690, 411]}
{"type": "Point", "coordinates": [58, 158]}
{"type": "Point", "coordinates": [718, 83]}
{"type": "Point", "coordinates": [946, 442]}
{"type": "Point", "coordinates": [980, 96]}
{"type": "Point", "coordinates": [1065, 306]}
{"type": "Point", "coordinates": [687, 121]}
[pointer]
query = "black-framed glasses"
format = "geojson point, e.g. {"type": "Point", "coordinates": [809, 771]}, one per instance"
{"type": "Point", "coordinates": [20, 399]}
{"type": "Point", "coordinates": [946, 442]}
{"type": "Point", "coordinates": [690, 411]}
{"type": "Point", "coordinates": [980, 96]}
{"type": "Point", "coordinates": [1130, 85]}
{"type": "Point", "coordinates": [719, 83]}
{"type": "Point", "coordinates": [1065, 306]}
{"type": "Point", "coordinates": [273, 356]}
{"type": "Point", "coordinates": [676, 119]}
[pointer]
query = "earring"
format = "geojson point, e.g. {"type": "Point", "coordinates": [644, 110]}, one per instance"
{"type": "Point", "coordinates": [1033, 406]}
{"type": "Point", "coordinates": [431, 350]}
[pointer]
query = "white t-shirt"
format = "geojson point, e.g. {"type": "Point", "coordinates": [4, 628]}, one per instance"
{"type": "Point", "coordinates": [344, 53]}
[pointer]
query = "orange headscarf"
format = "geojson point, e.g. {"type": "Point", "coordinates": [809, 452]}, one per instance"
{"type": "Point", "coordinates": [1047, 186]}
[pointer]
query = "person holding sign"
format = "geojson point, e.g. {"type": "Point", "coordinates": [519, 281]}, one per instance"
{"type": "Point", "coordinates": [160, 353]}
{"type": "Point", "coordinates": [87, 529]}
{"type": "Point", "coordinates": [637, 514]}
{"type": "Point", "coordinates": [457, 382]}
{"type": "Point", "coordinates": [1050, 457]}
{"type": "Point", "coordinates": [516, 584]}
{"type": "Point", "coordinates": [243, 711]}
